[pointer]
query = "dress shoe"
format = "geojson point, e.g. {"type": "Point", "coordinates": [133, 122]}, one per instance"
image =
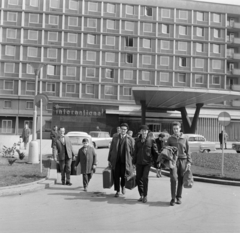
{"type": "Point", "coordinates": [179, 202]}
{"type": "Point", "coordinates": [85, 189]}
{"type": "Point", "coordinates": [68, 183]}
{"type": "Point", "coordinates": [63, 182]}
{"type": "Point", "coordinates": [144, 200]}
{"type": "Point", "coordinates": [172, 202]}
{"type": "Point", "coordinates": [117, 194]}
{"type": "Point", "coordinates": [140, 199]}
{"type": "Point", "coordinates": [123, 190]}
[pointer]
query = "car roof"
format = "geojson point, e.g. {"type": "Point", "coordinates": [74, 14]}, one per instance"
{"type": "Point", "coordinates": [193, 135]}
{"type": "Point", "coordinates": [98, 132]}
{"type": "Point", "coordinates": [77, 133]}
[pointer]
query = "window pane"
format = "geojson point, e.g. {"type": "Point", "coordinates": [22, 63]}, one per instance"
{"type": "Point", "coordinates": [50, 70]}
{"type": "Point", "coordinates": [199, 63]}
{"type": "Point", "coordinates": [198, 79]}
{"type": "Point", "coordinates": [200, 31]}
{"type": "Point", "coordinates": [32, 35]}
{"type": "Point", "coordinates": [92, 6]}
{"type": "Point", "coordinates": [110, 24]}
{"type": "Point", "coordinates": [182, 46]}
{"type": "Point", "coordinates": [129, 10]}
{"type": "Point", "coordinates": [146, 59]}
{"type": "Point", "coordinates": [72, 38]}
{"type": "Point", "coordinates": [109, 90]}
{"type": "Point", "coordinates": [72, 21]}
{"type": "Point", "coordinates": [91, 56]}
{"type": "Point", "coordinates": [71, 54]}
{"type": "Point", "coordinates": [129, 41]}
{"type": "Point", "coordinates": [10, 50]}
{"type": "Point", "coordinates": [12, 17]}
{"type": "Point", "coordinates": [29, 105]}
{"type": "Point", "coordinates": [147, 27]}
{"type": "Point", "coordinates": [200, 16]}
{"type": "Point", "coordinates": [7, 104]}
{"type": "Point", "coordinates": [216, 64]}
{"type": "Point", "coordinates": [9, 67]}
{"type": "Point", "coordinates": [52, 53]}
{"type": "Point", "coordinates": [165, 28]}
{"type": "Point", "coordinates": [91, 39]}
{"type": "Point", "coordinates": [55, 3]}
{"type": "Point", "coordinates": [71, 88]}
{"type": "Point", "coordinates": [164, 77]}
{"type": "Point", "coordinates": [129, 58]}
{"type": "Point", "coordinates": [145, 76]}
{"type": "Point", "coordinates": [34, 3]}
{"type": "Point", "coordinates": [13, 2]}
{"type": "Point", "coordinates": [33, 18]}
{"type": "Point", "coordinates": [216, 80]}
{"type": "Point", "coordinates": [92, 23]}
{"type": "Point", "coordinates": [128, 74]}
{"type": "Point", "coordinates": [148, 11]}
{"type": "Point", "coordinates": [30, 69]}
{"type": "Point", "coordinates": [73, 5]}
{"type": "Point", "coordinates": [183, 14]}
{"type": "Point", "coordinates": [110, 40]}
{"type": "Point", "coordinates": [216, 18]}
{"type": "Point", "coordinates": [127, 91]}
{"type": "Point", "coordinates": [199, 47]}
{"type": "Point", "coordinates": [52, 36]}
{"type": "Point", "coordinates": [110, 8]}
{"type": "Point", "coordinates": [11, 33]}
{"type": "Point", "coordinates": [182, 78]}
{"type": "Point", "coordinates": [109, 73]}
{"type": "Point", "coordinates": [147, 43]}
{"type": "Point", "coordinates": [182, 30]}
{"type": "Point", "coordinates": [110, 57]}
{"type": "Point", "coordinates": [50, 87]}
{"type": "Point", "coordinates": [129, 26]}
{"type": "Point", "coordinates": [89, 89]}
{"type": "Point", "coordinates": [216, 48]}
{"type": "Point", "coordinates": [165, 44]}
{"type": "Point", "coordinates": [182, 61]}
{"type": "Point", "coordinates": [90, 72]}
{"type": "Point", "coordinates": [164, 61]}
{"type": "Point", "coordinates": [216, 33]}
{"type": "Point", "coordinates": [32, 52]}
{"type": "Point", "coordinates": [53, 20]}
{"type": "Point", "coordinates": [71, 71]}
{"type": "Point", "coordinates": [165, 13]}
{"type": "Point", "coordinates": [8, 85]}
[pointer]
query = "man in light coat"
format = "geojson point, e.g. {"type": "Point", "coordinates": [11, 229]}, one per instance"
{"type": "Point", "coordinates": [25, 135]}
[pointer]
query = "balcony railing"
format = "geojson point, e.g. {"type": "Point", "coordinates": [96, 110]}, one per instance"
{"type": "Point", "coordinates": [236, 71]}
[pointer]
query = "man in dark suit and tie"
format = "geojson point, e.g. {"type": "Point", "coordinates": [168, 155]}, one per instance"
{"type": "Point", "coordinates": [64, 155]}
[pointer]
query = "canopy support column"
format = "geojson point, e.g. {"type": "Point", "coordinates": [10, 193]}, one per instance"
{"type": "Point", "coordinates": [143, 108]}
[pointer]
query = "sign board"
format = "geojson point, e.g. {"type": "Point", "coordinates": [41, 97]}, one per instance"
{"type": "Point", "coordinates": [224, 118]}
{"type": "Point", "coordinates": [40, 97]}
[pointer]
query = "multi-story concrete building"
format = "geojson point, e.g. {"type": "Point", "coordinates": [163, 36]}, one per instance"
{"type": "Point", "coordinates": [94, 52]}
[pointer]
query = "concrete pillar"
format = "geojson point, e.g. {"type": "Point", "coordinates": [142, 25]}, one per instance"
{"type": "Point", "coordinates": [143, 108]}
{"type": "Point", "coordinates": [16, 125]}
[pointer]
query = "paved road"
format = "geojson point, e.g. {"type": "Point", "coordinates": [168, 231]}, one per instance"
{"type": "Point", "coordinates": [207, 208]}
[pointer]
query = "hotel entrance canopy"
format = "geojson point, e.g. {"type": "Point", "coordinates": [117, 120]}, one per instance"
{"type": "Point", "coordinates": [177, 98]}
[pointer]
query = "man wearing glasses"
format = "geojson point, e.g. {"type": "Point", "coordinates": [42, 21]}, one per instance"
{"type": "Point", "coordinates": [120, 158]}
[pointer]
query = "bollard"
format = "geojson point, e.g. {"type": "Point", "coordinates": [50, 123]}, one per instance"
{"type": "Point", "coordinates": [33, 153]}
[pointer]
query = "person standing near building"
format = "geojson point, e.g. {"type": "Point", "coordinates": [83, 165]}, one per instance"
{"type": "Point", "coordinates": [183, 162]}
{"type": "Point", "coordinates": [145, 153]}
{"type": "Point", "coordinates": [54, 135]}
{"type": "Point", "coordinates": [120, 158]}
{"type": "Point", "coordinates": [160, 145]}
{"type": "Point", "coordinates": [118, 131]}
{"type": "Point", "coordinates": [25, 135]}
{"type": "Point", "coordinates": [64, 155]}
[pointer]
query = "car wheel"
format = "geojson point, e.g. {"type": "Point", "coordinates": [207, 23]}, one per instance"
{"type": "Point", "coordinates": [238, 151]}
{"type": "Point", "coordinates": [95, 145]}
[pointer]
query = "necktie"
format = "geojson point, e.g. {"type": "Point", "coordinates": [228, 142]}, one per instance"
{"type": "Point", "coordinates": [63, 141]}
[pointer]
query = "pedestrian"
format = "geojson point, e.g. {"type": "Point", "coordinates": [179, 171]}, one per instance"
{"type": "Point", "coordinates": [87, 158]}
{"type": "Point", "coordinates": [130, 133]}
{"type": "Point", "coordinates": [97, 128]}
{"type": "Point", "coordinates": [225, 135]}
{"type": "Point", "coordinates": [160, 145]}
{"type": "Point", "coordinates": [183, 162]}
{"type": "Point", "coordinates": [25, 135]}
{"type": "Point", "coordinates": [118, 131]}
{"type": "Point", "coordinates": [64, 154]}
{"type": "Point", "coordinates": [54, 135]}
{"type": "Point", "coordinates": [145, 153]}
{"type": "Point", "coordinates": [120, 158]}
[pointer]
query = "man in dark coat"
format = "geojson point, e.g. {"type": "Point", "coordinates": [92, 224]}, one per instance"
{"type": "Point", "coordinates": [145, 153]}
{"type": "Point", "coordinates": [54, 135]}
{"type": "Point", "coordinates": [25, 135]}
{"type": "Point", "coordinates": [120, 158]}
{"type": "Point", "coordinates": [64, 155]}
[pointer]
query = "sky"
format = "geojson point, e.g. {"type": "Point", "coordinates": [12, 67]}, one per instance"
{"type": "Point", "coordinates": [233, 2]}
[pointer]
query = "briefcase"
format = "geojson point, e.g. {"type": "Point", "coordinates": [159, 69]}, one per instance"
{"type": "Point", "coordinates": [107, 178]}
{"type": "Point", "coordinates": [131, 183]}
{"type": "Point", "coordinates": [75, 171]}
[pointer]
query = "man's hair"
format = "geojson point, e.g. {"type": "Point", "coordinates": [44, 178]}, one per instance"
{"type": "Point", "coordinates": [61, 127]}
{"type": "Point", "coordinates": [85, 140]}
{"type": "Point", "coordinates": [55, 126]}
{"type": "Point", "coordinates": [161, 135]}
{"type": "Point", "coordinates": [176, 123]}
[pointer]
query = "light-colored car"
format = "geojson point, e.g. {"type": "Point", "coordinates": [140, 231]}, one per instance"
{"type": "Point", "coordinates": [100, 139]}
{"type": "Point", "coordinates": [76, 140]}
{"type": "Point", "coordinates": [236, 146]}
{"type": "Point", "coordinates": [198, 143]}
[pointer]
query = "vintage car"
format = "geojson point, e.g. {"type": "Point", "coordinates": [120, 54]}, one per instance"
{"type": "Point", "coordinates": [236, 146]}
{"type": "Point", "coordinates": [100, 139]}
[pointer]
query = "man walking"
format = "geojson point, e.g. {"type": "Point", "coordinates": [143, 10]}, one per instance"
{"type": "Point", "coordinates": [64, 155]}
{"type": "Point", "coordinates": [120, 158]}
{"type": "Point", "coordinates": [54, 136]}
{"type": "Point", "coordinates": [25, 135]}
{"type": "Point", "coordinates": [144, 154]}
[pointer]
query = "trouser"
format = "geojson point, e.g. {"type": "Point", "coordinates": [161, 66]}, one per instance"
{"type": "Point", "coordinates": [86, 179]}
{"type": "Point", "coordinates": [65, 168]}
{"type": "Point", "coordinates": [119, 173]}
{"type": "Point", "coordinates": [176, 176]}
{"type": "Point", "coordinates": [54, 151]}
{"type": "Point", "coordinates": [142, 178]}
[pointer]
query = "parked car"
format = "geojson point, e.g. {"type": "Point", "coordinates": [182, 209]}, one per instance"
{"type": "Point", "coordinates": [236, 146]}
{"type": "Point", "coordinates": [100, 139]}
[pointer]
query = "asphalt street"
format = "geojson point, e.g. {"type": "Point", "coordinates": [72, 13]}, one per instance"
{"type": "Point", "coordinates": [206, 208]}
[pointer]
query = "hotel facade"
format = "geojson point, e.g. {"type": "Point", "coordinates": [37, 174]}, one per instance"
{"type": "Point", "coordinates": [94, 52]}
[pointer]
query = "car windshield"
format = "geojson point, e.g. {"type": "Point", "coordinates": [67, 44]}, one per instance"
{"type": "Point", "coordinates": [94, 134]}
{"type": "Point", "coordinates": [77, 140]}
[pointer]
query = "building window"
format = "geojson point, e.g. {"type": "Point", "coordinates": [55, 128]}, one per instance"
{"type": "Point", "coordinates": [215, 80]}
{"type": "Point", "coordinates": [91, 39]}
{"type": "Point", "coordinates": [145, 76]}
{"type": "Point", "coordinates": [129, 10]}
{"type": "Point", "coordinates": [200, 31]}
{"type": "Point", "coordinates": [199, 47]}
{"type": "Point", "coordinates": [181, 78]}
{"type": "Point", "coordinates": [30, 69]}
{"type": "Point", "coordinates": [10, 50]}
{"type": "Point", "coordinates": [8, 85]}
{"type": "Point", "coordinates": [216, 33]}
{"type": "Point", "coordinates": [34, 3]}
{"type": "Point", "coordinates": [216, 18]}
{"type": "Point", "coordinates": [128, 75]}
{"type": "Point", "coordinates": [199, 63]}
{"type": "Point", "coordinates": [91, 56]}
{"type": "Point", "coordinates": [110, 8]}
{"type": "Point", "coordinates": [216, 64]}
{"type": "Point", "coordinates": [6, 126]}
{"type": "Point", "coordinates": [73, 5]}
{"type": "Point", "coordinates": [53, 19]}
{"type": "Point", "coordinates": [71, 88]}
{"type": "Point", "coordinates": [11, 33]}
{"type": "Point", "coordinates": [182, 46]}
{"type": "Point", "coordinates": [52, 53]}
{"type": "Point", "coordinates": [127, 91]}
{"type": "Point", "coordinates": [55, 3]}
{"type": "Point", "coordinates": [33, 18]}
{"type": "Point", "coordinates": [182, 30]}
{"type": "Point", "coordinates": [92, 6]}
{"type": "Point", "coordinates": [32, 52]}
{"type": "Point", "coordinates": [147, 27]}
{"type": "Point", "coordinates": [90, 72]}
{"type": "Point", "coordinates": [182, 61]}
{"type": "Point", "coordinates": [48, 123]}
{"type": "Point", "coordinates": [216, 48]}
{"type": "Point", "coordinates": [29, 105]}
{"type": "Point", "coordinates": [109, 90]}
{"type": "Point", "coordinates": [71, 71]}
{"type": "Point", "coordinates": [164, 77]}
{"type": "Point", "coordinates": [110, 40]}
{"type": "Point", "coordinates": [110, 57]}
{"type": "Point", "coordinates": [165, 28]}
{"type": "Point", "coordinates": [90, 89]}
{"type": "Point", "coordinates": [9, 67]}
{"type": "Point", "coordinates": [200, 16]}
{"type": "Point", "coordinates": [183, 14]}
{"type": "Point", "coordinates": [73, 21]}
{"type": "Point", "coordinates": [13, 2]}
{"type": "Point", "coordinates": [110, 24]}
{"type": "Point", "coordinates": [109, 73]}
{"type": "Point", "coordinates": [198, 79]}
{"type": "Point", "coordinates": [165, 13]}
{"type": "Point", "coordinates": [12, 17]}
{"type": "Point", "coordinates": [51, 87]}
{"type": "Point", "coordinates": [7, 104]}
{"type": "Point", "coordinates": [51, 70]}
{"type": "Point", "coordinates": [165, 44]}
{"type": "Point", "coordinates": [92, 23]}
{"type": "Point", "coordinates": [129, 41]}
{"type": "Point", "coordinates": [129, 26]}
{"type": "Point", "coordinates": [52, 36]}
{"type": "Point", "coordinates": [72, 38]}
{"type": "Point", "coordinates": [32, 35]}
{"type": "Point", "coordinates": [146, 59]}
{"type": "Point", "coordinates": [146, 43]}
{"type": "Point", "coordinates": [164, 61]}
{"type": "Point", "coordinates": [129, 58]}
{"type": "Point", "coordinates": [148, 11]}
{"type": "Point", "coordinates": [72, 54]}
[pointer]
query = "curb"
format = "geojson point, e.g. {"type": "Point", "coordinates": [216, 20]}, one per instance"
{"type": "Point", "coordinates": [29, 187]}
{"type": "Point", "coordinates": [197, 177]}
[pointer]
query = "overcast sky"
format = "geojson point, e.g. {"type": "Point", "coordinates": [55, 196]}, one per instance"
{"type": "Point", "coordinates": [233, 2]}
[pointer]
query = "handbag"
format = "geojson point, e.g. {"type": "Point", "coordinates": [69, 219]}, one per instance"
{"type": "Point", "coordinates": [188, 179]}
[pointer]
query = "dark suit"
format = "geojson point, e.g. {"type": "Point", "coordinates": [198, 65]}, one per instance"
{"type": "Point", "coordinates": [64, 156]}
{"type": "Point", "coordinates": [54, 136]}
